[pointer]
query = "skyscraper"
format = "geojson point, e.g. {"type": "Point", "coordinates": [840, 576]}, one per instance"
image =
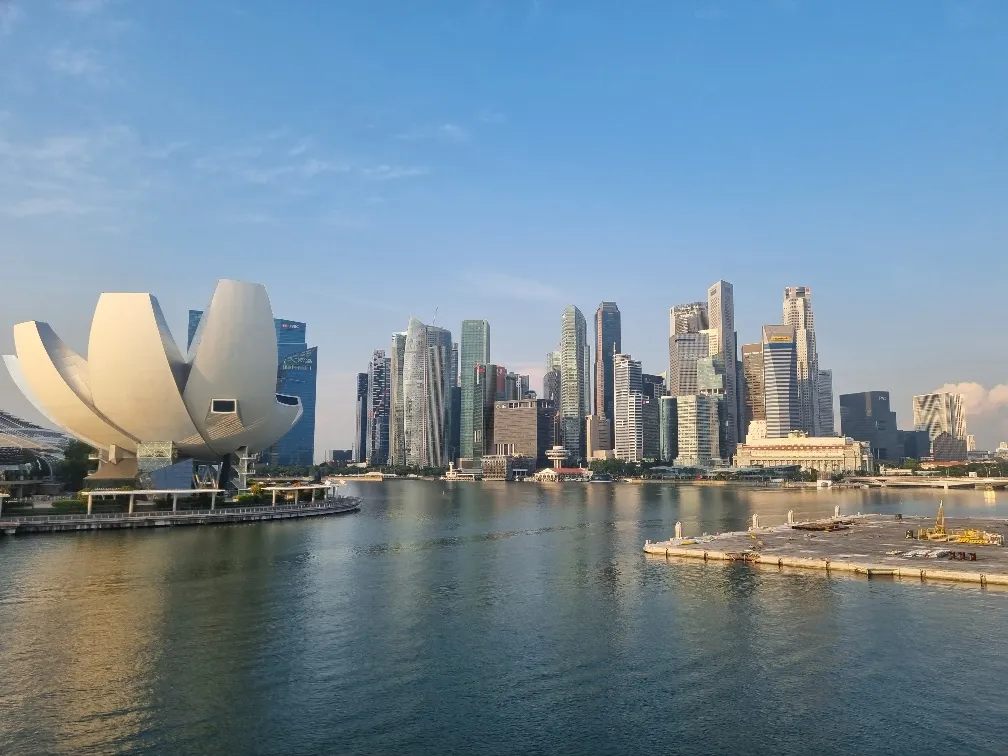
{"type": "Point", "coordinates": [574, 380]}
{"type": "Point", "coordinates": [485, 380]}
{"type": "Point", "coordinates": [697, 419]}
{"type": "Point", "coordinates": [668, 429]}
{"type": "Point", "coordinates": [688, 342]}
{"type": "Point", "coordinates": [825, 392]}
{"type": "Point", "coordinates": [453, 370]}
{"type": "Point", "coordinates": [397, 443]}
{"type": "Point", "coordinates": [297, 375]}
{"type": "Point", "coordinates": [551, 391]}
{"type": "Point", "coordinates": [780, 383]}
{"type": "Point", "coordinates": [475, 350]}
{"type": "Point", "coordinates": [608, 341]}
{"type": "Point", "coordinates": [868, 416]}
{"type": "Point", "coordinates": [379, 408]}
{"type": "Point", "coordinates": [684, 351]}
{"type": "Point", "coordinates": [940, 413]}
{"type": "Point", "coordinates": [798, 315]}
{"type": "Point", "coordinates": [360, 425]}
{"type": "Point", "coordinates": [427, 394]}
{"type": "Point", "coordinates": [752, 370]}
{"type": "Point", "coordinates": [721, 341]}
{"type": "Point", "coordinates": [688, 318]}
{"type": "Point", "coordinates": [711, 381]}
{"type": "Point", "coordinates": [628, 401]}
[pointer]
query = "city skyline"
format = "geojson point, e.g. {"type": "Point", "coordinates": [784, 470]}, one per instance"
{"type": "Point", "coordinates": [338, 190]}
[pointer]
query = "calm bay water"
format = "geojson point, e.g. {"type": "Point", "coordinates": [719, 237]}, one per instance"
{"type": "Point", "coordinates": [493, 618]}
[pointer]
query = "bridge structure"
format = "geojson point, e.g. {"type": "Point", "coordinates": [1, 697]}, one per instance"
{"type": "Point", "coordinates": [929, 481]}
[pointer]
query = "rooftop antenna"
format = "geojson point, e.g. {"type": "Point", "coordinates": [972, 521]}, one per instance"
{"type": "Point", "coordinates": [434, 322]}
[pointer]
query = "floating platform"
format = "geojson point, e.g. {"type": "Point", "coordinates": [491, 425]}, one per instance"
{"type": "Point", "coordinates": [870, 545]}
{"type": "Point", "coordinates": [221, 516]}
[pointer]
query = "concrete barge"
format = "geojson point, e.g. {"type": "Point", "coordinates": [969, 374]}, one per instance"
{"type": "Point", "coordinates": [220, 516]}
{"type": "Point", "coordinates": [870, 545]}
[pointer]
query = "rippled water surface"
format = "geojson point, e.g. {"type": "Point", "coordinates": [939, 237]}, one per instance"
{"type": "Point", "coordinates": [491, 618]}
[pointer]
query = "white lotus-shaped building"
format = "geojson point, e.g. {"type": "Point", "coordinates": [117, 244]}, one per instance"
{"type": "Point", "coordinates": [136, 388]}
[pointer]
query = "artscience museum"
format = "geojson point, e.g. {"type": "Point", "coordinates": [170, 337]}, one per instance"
{"type": "Point", "coordinates": [151, 412]}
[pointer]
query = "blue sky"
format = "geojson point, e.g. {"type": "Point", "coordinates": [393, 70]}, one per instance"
{"type": "Point", "coordinates": [501, 159]}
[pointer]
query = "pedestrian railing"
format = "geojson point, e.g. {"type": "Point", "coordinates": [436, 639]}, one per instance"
{"type": "Point", "coordinates": [182, 514]}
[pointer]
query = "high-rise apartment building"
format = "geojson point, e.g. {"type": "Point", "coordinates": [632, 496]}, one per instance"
{"type": "Point", "coordinates": [940, 413]}
{"type": "Point", "coordinates": [397, 440]}
{"type": "Point", "coordinates": [752, 370]}
{"type": "Point", "coordinates": [697, 421]}
{"type": "Point", "coordinates": [427, 395]}
{"type": "Point", "coordinates": [379, 408]}
{"type": "Point", "coordinates": [297, 375]}
{"type": "Point", "coordinates": [628, 401]}
{"type": "Point", "coordinates": [798, 315]}
{"type": "Point", "coordinates": [608, 341]}
{"type": "Point", "coordinates": [575, 389]}
{"type": "Point", "coordinates": [360, 424]}
{"type": "Point", "coordinates": [825, 392]}
{"type": "Point", "coordinates": [474, 350]}
{"type": "Point", "coordinates": [668, 429]}
{"type": "Point", "coordinates": [780, 382]}
{"type": "Point", "coordinates": [867, 416]}
{"type": "Point", "coordinates": [970, 442]}
{"type": "Point", "coordinates": [721, 342]}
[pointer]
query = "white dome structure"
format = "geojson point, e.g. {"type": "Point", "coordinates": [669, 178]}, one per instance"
{"type": "Point", "coordinates": [135, 387]}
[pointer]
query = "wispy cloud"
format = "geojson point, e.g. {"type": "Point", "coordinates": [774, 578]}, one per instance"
{"type": "Point", "coordinates": [385, 172]}
{"type": "Point", "coordinates": [255, 164]}
{"type": "Point", "coordinates": [448, 132]}
{"type": "Point", "coordinates": [83, 64]}
{"type": "Point", "coordinates": [100, 171]}
{"type": "Point", "coordinates": [10, 13]}
{"type": "Point", "coordinates": [35, 206]}
{"type": "Point", "coordinates": [507, 286]}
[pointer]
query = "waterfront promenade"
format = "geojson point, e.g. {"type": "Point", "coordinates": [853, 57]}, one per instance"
{"type": "Point", "coordinates": [70, 523]}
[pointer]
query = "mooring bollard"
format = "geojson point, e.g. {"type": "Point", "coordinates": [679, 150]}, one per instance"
{"type": "Point", "coordinates": [836, 511]}
{"type": "Point", "coordinates": [755, 521]}
{"type": "Point", "coordinates": [678, 530]}
{"type": "Point", "coordinates": [790, 517]}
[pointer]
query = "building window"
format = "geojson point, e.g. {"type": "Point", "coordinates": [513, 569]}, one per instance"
{"type": "Point", "coordinates": [223, 406]}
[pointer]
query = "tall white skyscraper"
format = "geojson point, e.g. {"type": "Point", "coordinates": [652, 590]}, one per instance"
{"type": "Point", "coordinates": [780, 384]}
{"type": "Point", "coordinates": [798, 315]}
{"type": "Point", "coordinates": [826, 425]}
{"type": "Point", "coordinates": [721, 341]}
{"type": "Point", "coordinates": [628, 400]}
{"type": "Point", "coordinates": [575, 381]}
{"type": "Point", "coordinates": [427, 394]}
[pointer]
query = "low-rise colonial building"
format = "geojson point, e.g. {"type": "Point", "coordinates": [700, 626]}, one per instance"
{"type": "Point", "coordinates": [828, 455]}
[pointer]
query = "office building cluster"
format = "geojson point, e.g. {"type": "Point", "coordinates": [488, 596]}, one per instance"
{"type": "Point", "coordinates": [435, 401]}
{"type": "Point", "coordinates": [938, 434]}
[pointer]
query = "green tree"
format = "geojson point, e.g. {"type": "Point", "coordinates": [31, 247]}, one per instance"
{"type": "Point", "coordinates": [75, 465]}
